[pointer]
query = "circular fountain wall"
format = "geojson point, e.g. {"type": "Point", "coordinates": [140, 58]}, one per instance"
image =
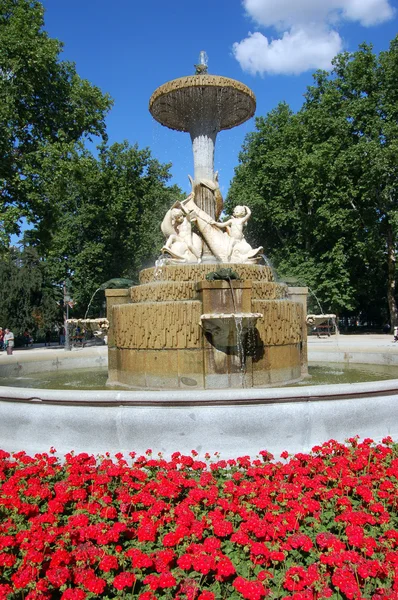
{"type": "Point", "coordinates": [233, 422]}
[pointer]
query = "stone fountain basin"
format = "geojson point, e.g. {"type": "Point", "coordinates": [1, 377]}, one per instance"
{"type": "Point", "coordinates": [234, 422]}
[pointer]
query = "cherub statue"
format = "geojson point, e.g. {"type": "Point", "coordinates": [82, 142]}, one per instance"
{"type": "Point", "coordinates": [239, 249]}
{"type": "Point", "coordinates": [182, 245]}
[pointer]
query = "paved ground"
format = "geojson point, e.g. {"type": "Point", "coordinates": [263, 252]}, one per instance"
{"type": "Point", "coordinates": [366, 341]}
{"type": "Point", "coordinates": [54, 349]}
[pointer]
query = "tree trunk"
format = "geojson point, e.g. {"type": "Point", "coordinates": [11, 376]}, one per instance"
{"type": "Point", "coordinates": [392, 305]}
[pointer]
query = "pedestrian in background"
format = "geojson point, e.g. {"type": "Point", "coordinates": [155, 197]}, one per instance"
{"type": "Point", "coordinates": [26, 338]}
{"type": "Point", "coordinates": [9, 341]}
{"type": "Point", "coordinates": [1, 338]}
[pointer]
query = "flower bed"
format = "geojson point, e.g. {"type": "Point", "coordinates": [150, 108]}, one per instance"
{"type": "Point", "coordinates": [318, 525]}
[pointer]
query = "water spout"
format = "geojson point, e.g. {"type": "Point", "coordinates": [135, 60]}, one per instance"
{"type": "Point", "coordinates": [232, 293]}
{"type": "Point", "coordinates": [203, 58]}
{"type": "Point", "coordinates": [316, 299]}
{"type": "Point", "coordinates": [201, 67]}
{"type": "Point", "coordinates": [91, 299]}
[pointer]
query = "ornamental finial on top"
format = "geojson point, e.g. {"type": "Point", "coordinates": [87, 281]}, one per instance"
{"type": "Point", "coordinates": [201, 67]}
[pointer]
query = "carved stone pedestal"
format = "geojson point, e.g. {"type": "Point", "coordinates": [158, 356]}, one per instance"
{"type": "Point", "coordinates": [168, 332]}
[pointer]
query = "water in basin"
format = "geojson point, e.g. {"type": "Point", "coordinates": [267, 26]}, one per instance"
{"type": "Point", "coordinates": [95, 378]}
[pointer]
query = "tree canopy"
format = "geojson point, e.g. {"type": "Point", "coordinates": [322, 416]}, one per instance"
{"type": "Point", "coordinates": [109, 211]}
{"type": "Point", "coordinates": [322, 184]}
{"type": "Point", "coordinates": [29, 300]}
{"type": "Point", "coordinates": [92, 216]}
{"type": "Point", "coordinates": [44, 108]}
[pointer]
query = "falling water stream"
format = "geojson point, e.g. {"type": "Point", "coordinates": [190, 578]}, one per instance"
{"type": "Point", "coordinates": [316, 299]}
{"type": "Point", "coordinates": [91, 299]}
{"type": "Point", "coordinates": [239, 336]}
{"type": "Point", "coordinates": [159, 264]}
{"type": "Point", "coordinates": [240, 348]}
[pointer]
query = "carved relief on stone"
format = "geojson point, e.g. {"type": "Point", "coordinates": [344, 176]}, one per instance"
{"type": "Point", "coordinates": [166, 291]}
{"type": "Point", "coordinates": [198, 272]}
{"type": "Point", "coordinates": [158, 325]}
{"type": "Point", "coordinates": [264, 290]}
{"type": "Point", "coordinates": [281, 323]}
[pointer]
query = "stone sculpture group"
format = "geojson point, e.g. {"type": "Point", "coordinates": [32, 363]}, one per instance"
{"type": "Point", "coordinates": [225, 239]}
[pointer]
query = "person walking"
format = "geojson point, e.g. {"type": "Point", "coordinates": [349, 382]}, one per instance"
{"type": "Point", "coordinates": [1, 339]}
{"type": "Point", "coordinates": [9, 341]}
{"type": "Point", "coordinates": [61, 334]}
{"type": "Point", "coordinates": [26, 338]}
{"type": "Point", "coordinates": [48, 338]}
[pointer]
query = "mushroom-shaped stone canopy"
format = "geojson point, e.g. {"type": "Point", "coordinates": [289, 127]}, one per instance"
{"type": "Point", "coordinates": [183, 103]}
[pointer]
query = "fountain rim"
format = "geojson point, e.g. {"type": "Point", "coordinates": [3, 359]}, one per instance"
{"type": "Point", "coordinates": [200, 81]}
{"type": "Point", "coordinates": [212, 420]}
{"type": "Point", "coordinates": [184, 398]}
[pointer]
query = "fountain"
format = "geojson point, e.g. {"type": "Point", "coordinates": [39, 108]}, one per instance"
{"type": "Point", "coordinates": [177, 328]}
{"type": "Point", "coordinates": [208, 315]}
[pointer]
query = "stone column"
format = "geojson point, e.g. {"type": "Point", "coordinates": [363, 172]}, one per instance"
{"type": "Point", "coordinates": [203, 137]}
{"type": "Point", "coordinates": [203, 146]}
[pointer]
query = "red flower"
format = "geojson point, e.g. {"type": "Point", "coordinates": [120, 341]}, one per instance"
{"type": "Point", "coordinates": [96, 585]}
{"type": "Point", "coordinates": [297, 578]}
{"type": "Point", "coordinates": [58, 576]}
{"type": "Point", "coordinates": [24, 576]}
{"type": "Point", "coordinates": [108, 563]}
{"type": "Point", "coordinates": [225, 568]}
{"type": "Point", "coordinates": [252, 590]}
{"type": "Point", "coordinates": [73, 594]}
{"type": "Point", "coordinates": [5, 590]}
{"type": "Point", "coordinates": [166, 580]}
{"type": "Point", "coordinates": [123, 580]}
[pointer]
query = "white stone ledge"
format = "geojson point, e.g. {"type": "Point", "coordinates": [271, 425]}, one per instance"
{"type": "Point", "coordinates": [166, 398]}
{"type": "Point", "coordinates": [232, 422]}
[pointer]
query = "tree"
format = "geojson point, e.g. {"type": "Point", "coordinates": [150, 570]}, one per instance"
{"type": "Point", "coordinates": [322, 183]}
{"type": "Point", "coordinates": [108, 219]}
{"type": "Point", "coordinates": [284, 183]}
{"type": "Point", "coordinates": [29, 300]}
{"type": "Point", "coordinates": [45, 107]}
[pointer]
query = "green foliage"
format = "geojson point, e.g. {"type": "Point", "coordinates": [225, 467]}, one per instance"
{"type": "Point", "coordinates": [28, 300]}
{"type": "Point", "coordinates": [45, 107]}
{"type": "Point", "coordinates": [322, 183]}
{"type": "Point", "coordinates": [108, 214]}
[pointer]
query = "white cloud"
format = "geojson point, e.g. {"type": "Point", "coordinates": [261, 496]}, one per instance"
{"type": "Point", "coordinates": [368, 12]}
{"type": "Point", "coordinates": [308, 32]}
{"type": "Point", "coordinates": [297, 51]}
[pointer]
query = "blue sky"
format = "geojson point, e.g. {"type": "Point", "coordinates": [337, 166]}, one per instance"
{"type": "Point", "coordinates": [128, 48]}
